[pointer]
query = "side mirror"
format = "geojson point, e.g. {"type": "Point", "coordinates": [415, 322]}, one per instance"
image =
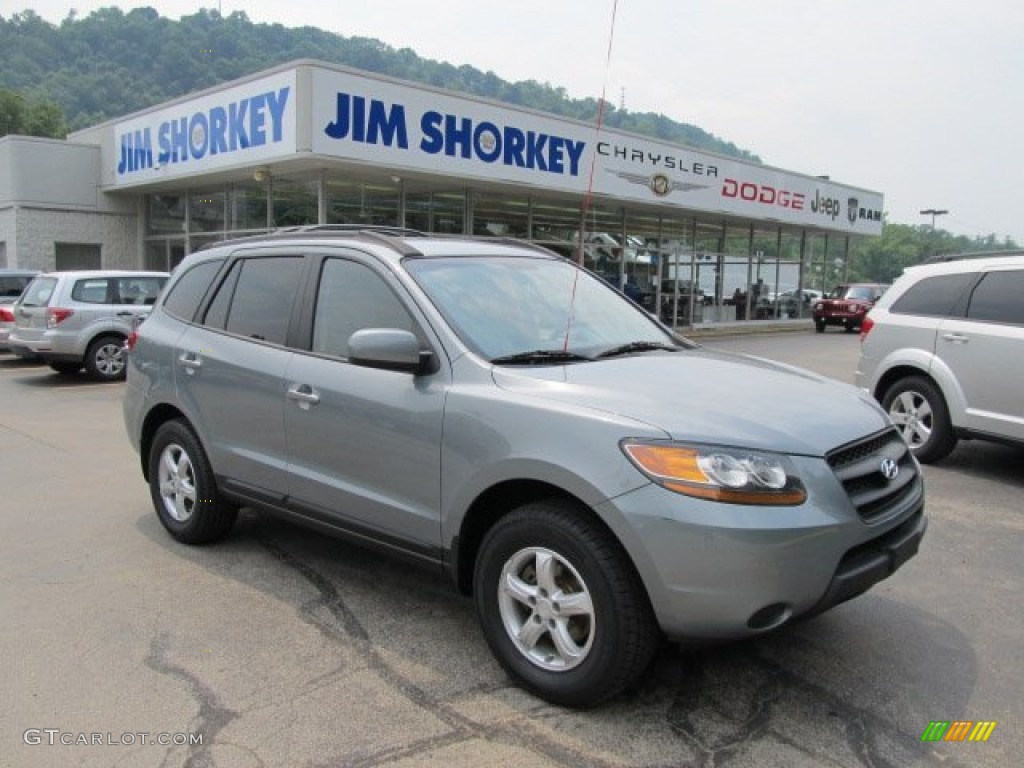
{"type": "Point", "coordinates": [390, 349]}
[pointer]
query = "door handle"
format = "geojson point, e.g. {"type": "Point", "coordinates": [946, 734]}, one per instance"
{"type": "Point", "coordinates": [125, 313]}
{"type": "Point", "coordinates": [304, 395]}
{"type": "Point", "coordinates": [956, 338]}
{"type": "Point", "coordinates": [190, 362]}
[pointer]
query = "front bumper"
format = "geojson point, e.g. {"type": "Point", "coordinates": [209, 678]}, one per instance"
{"type": "Point", "coordinates": [718, 571]}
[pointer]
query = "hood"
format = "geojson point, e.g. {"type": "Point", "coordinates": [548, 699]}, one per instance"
{"type": "Point", "coordinates": [706, 396]}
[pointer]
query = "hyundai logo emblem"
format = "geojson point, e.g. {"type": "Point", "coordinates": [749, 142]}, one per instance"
{"type": "Point", "coordinates": [889, 469]}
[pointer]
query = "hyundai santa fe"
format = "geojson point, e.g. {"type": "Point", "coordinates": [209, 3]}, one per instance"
{"type": "Point", "coordinates": [488, 408]}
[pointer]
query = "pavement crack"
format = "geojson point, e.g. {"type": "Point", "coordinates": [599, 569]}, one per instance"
{"type": "Point", "coordinates": [212, 717]}
{"type": "Point", "coordinates": [520, 732]}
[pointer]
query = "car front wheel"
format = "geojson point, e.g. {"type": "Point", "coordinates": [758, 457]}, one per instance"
{"type": "Point", "coordinates": [560, 605]}
{"type": "Point", "coordinates": [181, 483]}
{"type": "Point", "coordinates": [919, 411]}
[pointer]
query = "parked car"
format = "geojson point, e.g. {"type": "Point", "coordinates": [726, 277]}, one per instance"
{"type": "Point", "coordinates": [846, 305]}
{"type": "Point", "coordinates": [75, 319]}
{"type": "Point", "coordinates": [575, 467]}
{"type": "Point", "coordinates": [12, 284]}
{"type": "Point", "coordinates": [796, 303]}
{"type": "Point", "coordinates": [943, 351]}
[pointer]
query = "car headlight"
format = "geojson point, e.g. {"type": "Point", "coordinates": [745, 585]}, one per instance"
{"type": "Point", "coordinates": [721, 474]}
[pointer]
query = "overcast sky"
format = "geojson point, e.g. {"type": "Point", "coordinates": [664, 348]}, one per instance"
{"type": "Point", "coordinates": [921, 100]}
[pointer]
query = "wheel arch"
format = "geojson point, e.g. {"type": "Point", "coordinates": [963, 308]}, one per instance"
{"type": "Point", "coordinates": [157, 417]}
{"type": "Point", "coordinates": [493, 504]}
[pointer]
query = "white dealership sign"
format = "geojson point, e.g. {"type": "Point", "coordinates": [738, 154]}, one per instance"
{"type": "Point", "coordinates": [400, 126]}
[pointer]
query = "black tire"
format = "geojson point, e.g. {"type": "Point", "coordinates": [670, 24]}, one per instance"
{"type": "Point", "coordinates": [66, 369]}
{"type": "Point", "coordinates": [105, 359]}
{"type": "Point", "coordinates": [611, 636]}
{"type": "Point", "coordinates": [849, 326]}
{"type": "Point", "coordinates": [819, 326]}
{"type": "Point", "coordinates": [919, 411]}
{"type": "Point", "coordinates": [183, 489]}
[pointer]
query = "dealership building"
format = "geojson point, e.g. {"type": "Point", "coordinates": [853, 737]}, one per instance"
{"type": "Point", "coordinates": [703, 236]}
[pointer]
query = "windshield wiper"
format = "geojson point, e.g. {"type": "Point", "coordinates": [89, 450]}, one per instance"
{"type": "Point", "coordinates": [638, 346]}
{"type": "Point", "coordinates": [540, 356]}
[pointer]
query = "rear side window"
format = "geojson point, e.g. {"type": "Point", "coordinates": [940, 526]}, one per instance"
{"type": "Point", "coordinates": [998, 298]}
{"type": "Point", "coordinates": [94, 290]}
{"type": "Point", "coordinates": [188, 291]}
{"type": "Point", "coordinates": [138, 290]}
{"type": "Point", "coordinates": [39, 292]}
{"type": "Point", "coordinates": [937, 296]}
{"type": "Point", "coordinates": [256, 298]}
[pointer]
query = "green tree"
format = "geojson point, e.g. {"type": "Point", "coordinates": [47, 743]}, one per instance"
{"type": "Point", "coordinates": [32, 116]}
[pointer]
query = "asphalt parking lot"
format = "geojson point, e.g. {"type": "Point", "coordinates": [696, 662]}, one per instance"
{"type": "Point", "coordinates": [279, 647]}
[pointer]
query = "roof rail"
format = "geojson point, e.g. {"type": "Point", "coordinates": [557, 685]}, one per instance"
{"type": "Point", "coordinates": [383, 229]}
{"type": "Point", "coordinates": [971, 255]}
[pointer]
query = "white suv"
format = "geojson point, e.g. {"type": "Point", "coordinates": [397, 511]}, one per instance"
{"type": "Point", "coordinates": [943, 351]}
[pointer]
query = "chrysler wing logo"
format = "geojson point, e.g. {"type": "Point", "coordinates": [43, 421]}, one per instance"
{"type": "Point", "coordinates": [889, 469]}
{"type": "Point", "coordinates": [660, 184]}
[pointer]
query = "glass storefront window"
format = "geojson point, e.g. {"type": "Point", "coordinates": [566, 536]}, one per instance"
{"type": "Point", "coordinates": [248, 206]}
{"type": "Point", "coordinates": [555, 224]}
{"type": "Point", "coordinates": [362, 203]}
{"type": "Point", "coordinates": [165, 212]}
{"type": "Point", "coordinates": [295, 202]}
{"type": "Point", "coordinates": [501, 215]}
{"type": "Point", "coordinates": [206, 209]}
{"type": "Point", "coordinates": [436, 212]}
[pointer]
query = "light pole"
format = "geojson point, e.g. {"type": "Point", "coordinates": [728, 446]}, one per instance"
{"type": "Point", "coordinates": [933, 212]}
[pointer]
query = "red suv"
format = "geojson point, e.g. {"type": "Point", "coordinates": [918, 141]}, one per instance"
{"type": "Point", "coordinates": [846, 305]}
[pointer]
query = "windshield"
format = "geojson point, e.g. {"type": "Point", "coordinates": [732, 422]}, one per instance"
{"type": "Point", "coordinates": [862, 292]}
{"type": "Point", "coordinates": [507, 306]}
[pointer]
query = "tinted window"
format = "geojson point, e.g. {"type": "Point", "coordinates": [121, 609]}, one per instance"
{"type": "Point", "coordinates": [188, 291]}
{"type": "Point", "coordinates": [353, 297]}
{"type": "Point", "coordinates": [11, 286]}
{"type": "Point", "coordinates": [933, 296]}
{"type": "Point", "coordinates": [138, 290]}
{"type": "Point", "coordinates": [998, 298]}
{"type": "Point", "coordinates": [260, 304]}
{"type": "Point", "coordinates": [94, 290]}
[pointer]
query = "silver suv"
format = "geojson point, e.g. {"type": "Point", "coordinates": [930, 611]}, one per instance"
{"type": "Point", "coordinates": [71, 319]}
{"type": "Point", "coordinates": [943, 351]}
{"type": "Point", "coordinates": [487, 408]}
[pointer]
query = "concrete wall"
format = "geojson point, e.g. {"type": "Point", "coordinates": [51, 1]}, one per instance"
{"type": "Point", "coordinates": [49, 193]}
{"type": "Point", "coordinates": [38, 229]}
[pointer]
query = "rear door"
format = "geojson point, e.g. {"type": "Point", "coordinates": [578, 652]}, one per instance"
{"type": "Point", "coordinates": [985, 350]}
{"type": "Point", "coordinates": [229, 371]}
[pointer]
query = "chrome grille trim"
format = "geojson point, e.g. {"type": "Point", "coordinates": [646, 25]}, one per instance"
{"type": "Point", "coordinates": [858, 467]}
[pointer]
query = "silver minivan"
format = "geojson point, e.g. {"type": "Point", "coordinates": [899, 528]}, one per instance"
{"type": "Point", "coordinates": [76, 319]}
{"type": "Point", "coordinates": [487, 408]}
{"type": "Point", "coordinates": [943, 351]}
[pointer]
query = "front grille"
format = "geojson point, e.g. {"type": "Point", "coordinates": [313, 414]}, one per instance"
{"type": "Point", "coordinates": [858, 466]}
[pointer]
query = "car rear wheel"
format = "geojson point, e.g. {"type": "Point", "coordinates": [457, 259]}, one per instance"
{"type": "Point", "coordinates": [919, 411]}
{"type": "Point", "coordinates": [560, 605]}
{"type": "Point", "coordinates": [182, 485]}
{"type": "Point", "coordinates": [104, 360]}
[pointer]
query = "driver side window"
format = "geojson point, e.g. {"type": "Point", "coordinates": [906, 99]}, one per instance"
{"type": "Point", "coordinates": [352, 297]}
